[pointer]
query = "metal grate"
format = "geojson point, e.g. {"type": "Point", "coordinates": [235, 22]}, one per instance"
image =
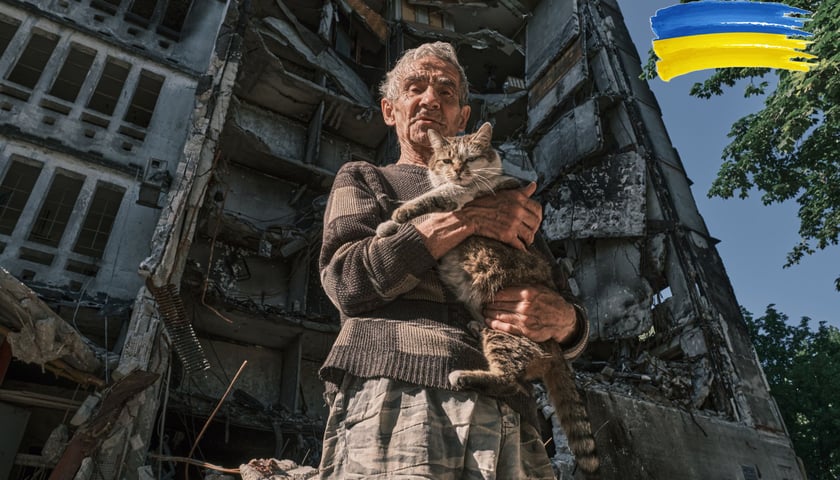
{"type": "Point", "coordinates": [180, 329]}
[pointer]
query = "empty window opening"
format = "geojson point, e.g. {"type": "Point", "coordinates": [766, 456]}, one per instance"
{"type": "Point", "coordinates": [72, 75]}
{"type": "Point", "coordinates": [145, 97]}
{"type": "Point", "coordinates": [34, 58]}
{"type": "Point", "coordinates": [82, 268]}
{"type": "Point", "coordinates": [2, 247]}
{"type": "Point", "coordinates": [173, 18]}
{"type": "Point", "coordinates": [15, 191]}
{"type": "Point", "coordinates": [99, 221]}
{"type": "Point", "coordinates": [27, 275]}
{"type": "Point", "coordinates": [141, 12]}
{"type": "Point", "coordinates": [8, 27]}
{"type": "Point", "coordinates": [107, 91]}
{"type": "Point", "coordinates": [36, 256]}
{"type": "Point", "coordinates": [56, 209]}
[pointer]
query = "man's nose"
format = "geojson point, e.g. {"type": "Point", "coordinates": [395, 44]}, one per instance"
{"type": "Point", "coordinates": [430, 98]}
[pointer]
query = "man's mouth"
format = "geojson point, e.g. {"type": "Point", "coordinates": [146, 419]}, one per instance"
{"type": "Point", "coordinates": [426, 119]}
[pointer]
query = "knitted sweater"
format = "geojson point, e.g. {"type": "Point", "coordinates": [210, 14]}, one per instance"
{"type": "Point", "coordinates": [397, 318]}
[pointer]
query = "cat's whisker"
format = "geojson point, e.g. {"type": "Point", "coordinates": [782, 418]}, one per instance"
{"type": "Point", "coordinates": [485, 182]}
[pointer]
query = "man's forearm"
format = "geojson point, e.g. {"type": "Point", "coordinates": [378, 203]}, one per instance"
{"type": "Point", "coordinates": [442, 232]}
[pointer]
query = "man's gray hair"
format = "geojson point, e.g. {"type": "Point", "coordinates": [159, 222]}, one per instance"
{"type": "Point", "coordinates": [390, 88]}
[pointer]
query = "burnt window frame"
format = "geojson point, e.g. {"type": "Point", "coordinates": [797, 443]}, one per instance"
{"type": "Point", "coordinates": [63, 72]}
{"type": "Point", "coordinates": [97, 95]}
{"type": "Point", "coordinates": [15, 75]}
{"type": "Point", "coordinates": [108, 213]}
{"type": "Point", "coordinates": [61, 216]}
{"type": "Point", "coordinates": [135, 111]}
{"type": "Point", "coordinates": [13, 23]}
{"type": "Point", "coordinates": [15, 159]}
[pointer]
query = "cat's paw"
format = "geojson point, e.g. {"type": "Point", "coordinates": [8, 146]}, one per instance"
{"type": "Point", "coordinates": [402, 215]}
{"type": "Point", "coordinates": [387, 228]}
{"type": "Point", "coordinates": [456, 379]}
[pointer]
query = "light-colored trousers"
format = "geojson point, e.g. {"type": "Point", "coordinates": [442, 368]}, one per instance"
{"type": "Point", "coordinates": [386, 429]}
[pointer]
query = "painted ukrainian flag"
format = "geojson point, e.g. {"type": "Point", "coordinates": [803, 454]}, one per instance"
{"type": "Point", "coordinates": [717, 34]}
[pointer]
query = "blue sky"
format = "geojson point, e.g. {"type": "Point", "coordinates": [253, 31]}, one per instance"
{"type": "Point", "coordinates": [754, 238]}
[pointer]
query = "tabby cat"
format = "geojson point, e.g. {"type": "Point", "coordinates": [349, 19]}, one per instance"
{"type": "Point", "coordinates": [460, 170]}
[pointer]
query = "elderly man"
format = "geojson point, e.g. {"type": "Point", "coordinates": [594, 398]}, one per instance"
{"type": "Point", "coordinates": [393, 413]}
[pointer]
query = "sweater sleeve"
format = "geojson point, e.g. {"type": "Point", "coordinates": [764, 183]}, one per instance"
{"type": "Point", "coordinates": [360, 271]}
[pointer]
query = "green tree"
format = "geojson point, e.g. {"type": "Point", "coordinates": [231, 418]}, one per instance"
{"type": "Point", "coordinates": [803, 369]}
{"type": "Point", "coordinates": [791, 148]}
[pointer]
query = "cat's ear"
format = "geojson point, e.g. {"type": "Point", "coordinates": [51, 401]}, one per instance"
{"type": "Point", "coordinates": [435, 140]}
{"type": "Point", "coordinates": [484, 134]}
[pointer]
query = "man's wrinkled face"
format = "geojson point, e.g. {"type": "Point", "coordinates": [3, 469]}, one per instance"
{"type": "Point", "coordinates": [428, 98]}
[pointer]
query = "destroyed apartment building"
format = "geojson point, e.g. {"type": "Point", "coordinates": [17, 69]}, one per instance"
{"type": "Point", "coordinates": [164, 168]}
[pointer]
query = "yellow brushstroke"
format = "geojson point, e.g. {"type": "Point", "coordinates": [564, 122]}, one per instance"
{"type": "Point", "coordinates": [682, 55]}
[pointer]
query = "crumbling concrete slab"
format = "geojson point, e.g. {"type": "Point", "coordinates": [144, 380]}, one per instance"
{"type": "Point", "coordinates": [39, 335]}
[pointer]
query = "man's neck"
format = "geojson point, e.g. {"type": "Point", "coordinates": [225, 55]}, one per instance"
{"type": "Point", "coordinates": [414, 156]}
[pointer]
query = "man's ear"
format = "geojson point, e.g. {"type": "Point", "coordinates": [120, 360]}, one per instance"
{"type": "Point", "coordinates": [463, 116]}
{"type": "Point", "coordinates": [387, 112]}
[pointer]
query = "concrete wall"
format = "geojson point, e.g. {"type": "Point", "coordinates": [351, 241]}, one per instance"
{"type": "Point", "coordinates": [639, 439]}
{"type": "Point", "coordinates": [58, 134]}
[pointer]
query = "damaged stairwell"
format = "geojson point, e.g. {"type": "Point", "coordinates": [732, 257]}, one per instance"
{"type": "Point", "coordinates": [204, 136]}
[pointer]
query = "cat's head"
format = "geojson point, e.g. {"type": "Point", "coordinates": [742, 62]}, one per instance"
{"type": "Point", "coordinates": [465, 159]}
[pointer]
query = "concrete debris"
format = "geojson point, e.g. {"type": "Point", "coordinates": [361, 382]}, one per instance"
{"type": "Point", "coordinates": [374, 21]}
{"type": "Point", "coordinates": [272, 469]}
{"type": "Point", "coordinates": [43, 336]}
{"type": "Point", "coordinates": [50, 339]}
{"type": "Point", "coordinates": [480, 40]}
{"type": "Point", "coordinates": [326, 61]}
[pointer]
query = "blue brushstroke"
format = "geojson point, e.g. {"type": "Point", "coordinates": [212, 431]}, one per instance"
{"type": "Point", "coordinates": [698, 18]}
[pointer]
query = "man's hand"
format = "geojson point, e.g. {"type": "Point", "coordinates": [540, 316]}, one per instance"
{"type": "Point", "coordinates": [538, 313]}
{"type": "Point", "coordinates": [510, 216]}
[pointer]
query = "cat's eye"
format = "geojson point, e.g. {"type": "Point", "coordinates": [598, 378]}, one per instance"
{"type": "Point", "coordinates": [446, 160]}
{"type": "Point", "coordinates": [474, 158]}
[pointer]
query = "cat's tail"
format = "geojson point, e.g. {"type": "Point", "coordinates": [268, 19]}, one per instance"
{"type": "Point", "coordinates": [571, 411]}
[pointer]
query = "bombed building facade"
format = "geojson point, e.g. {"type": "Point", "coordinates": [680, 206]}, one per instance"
{"type": "Point", "coordinates": [164, 167]}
